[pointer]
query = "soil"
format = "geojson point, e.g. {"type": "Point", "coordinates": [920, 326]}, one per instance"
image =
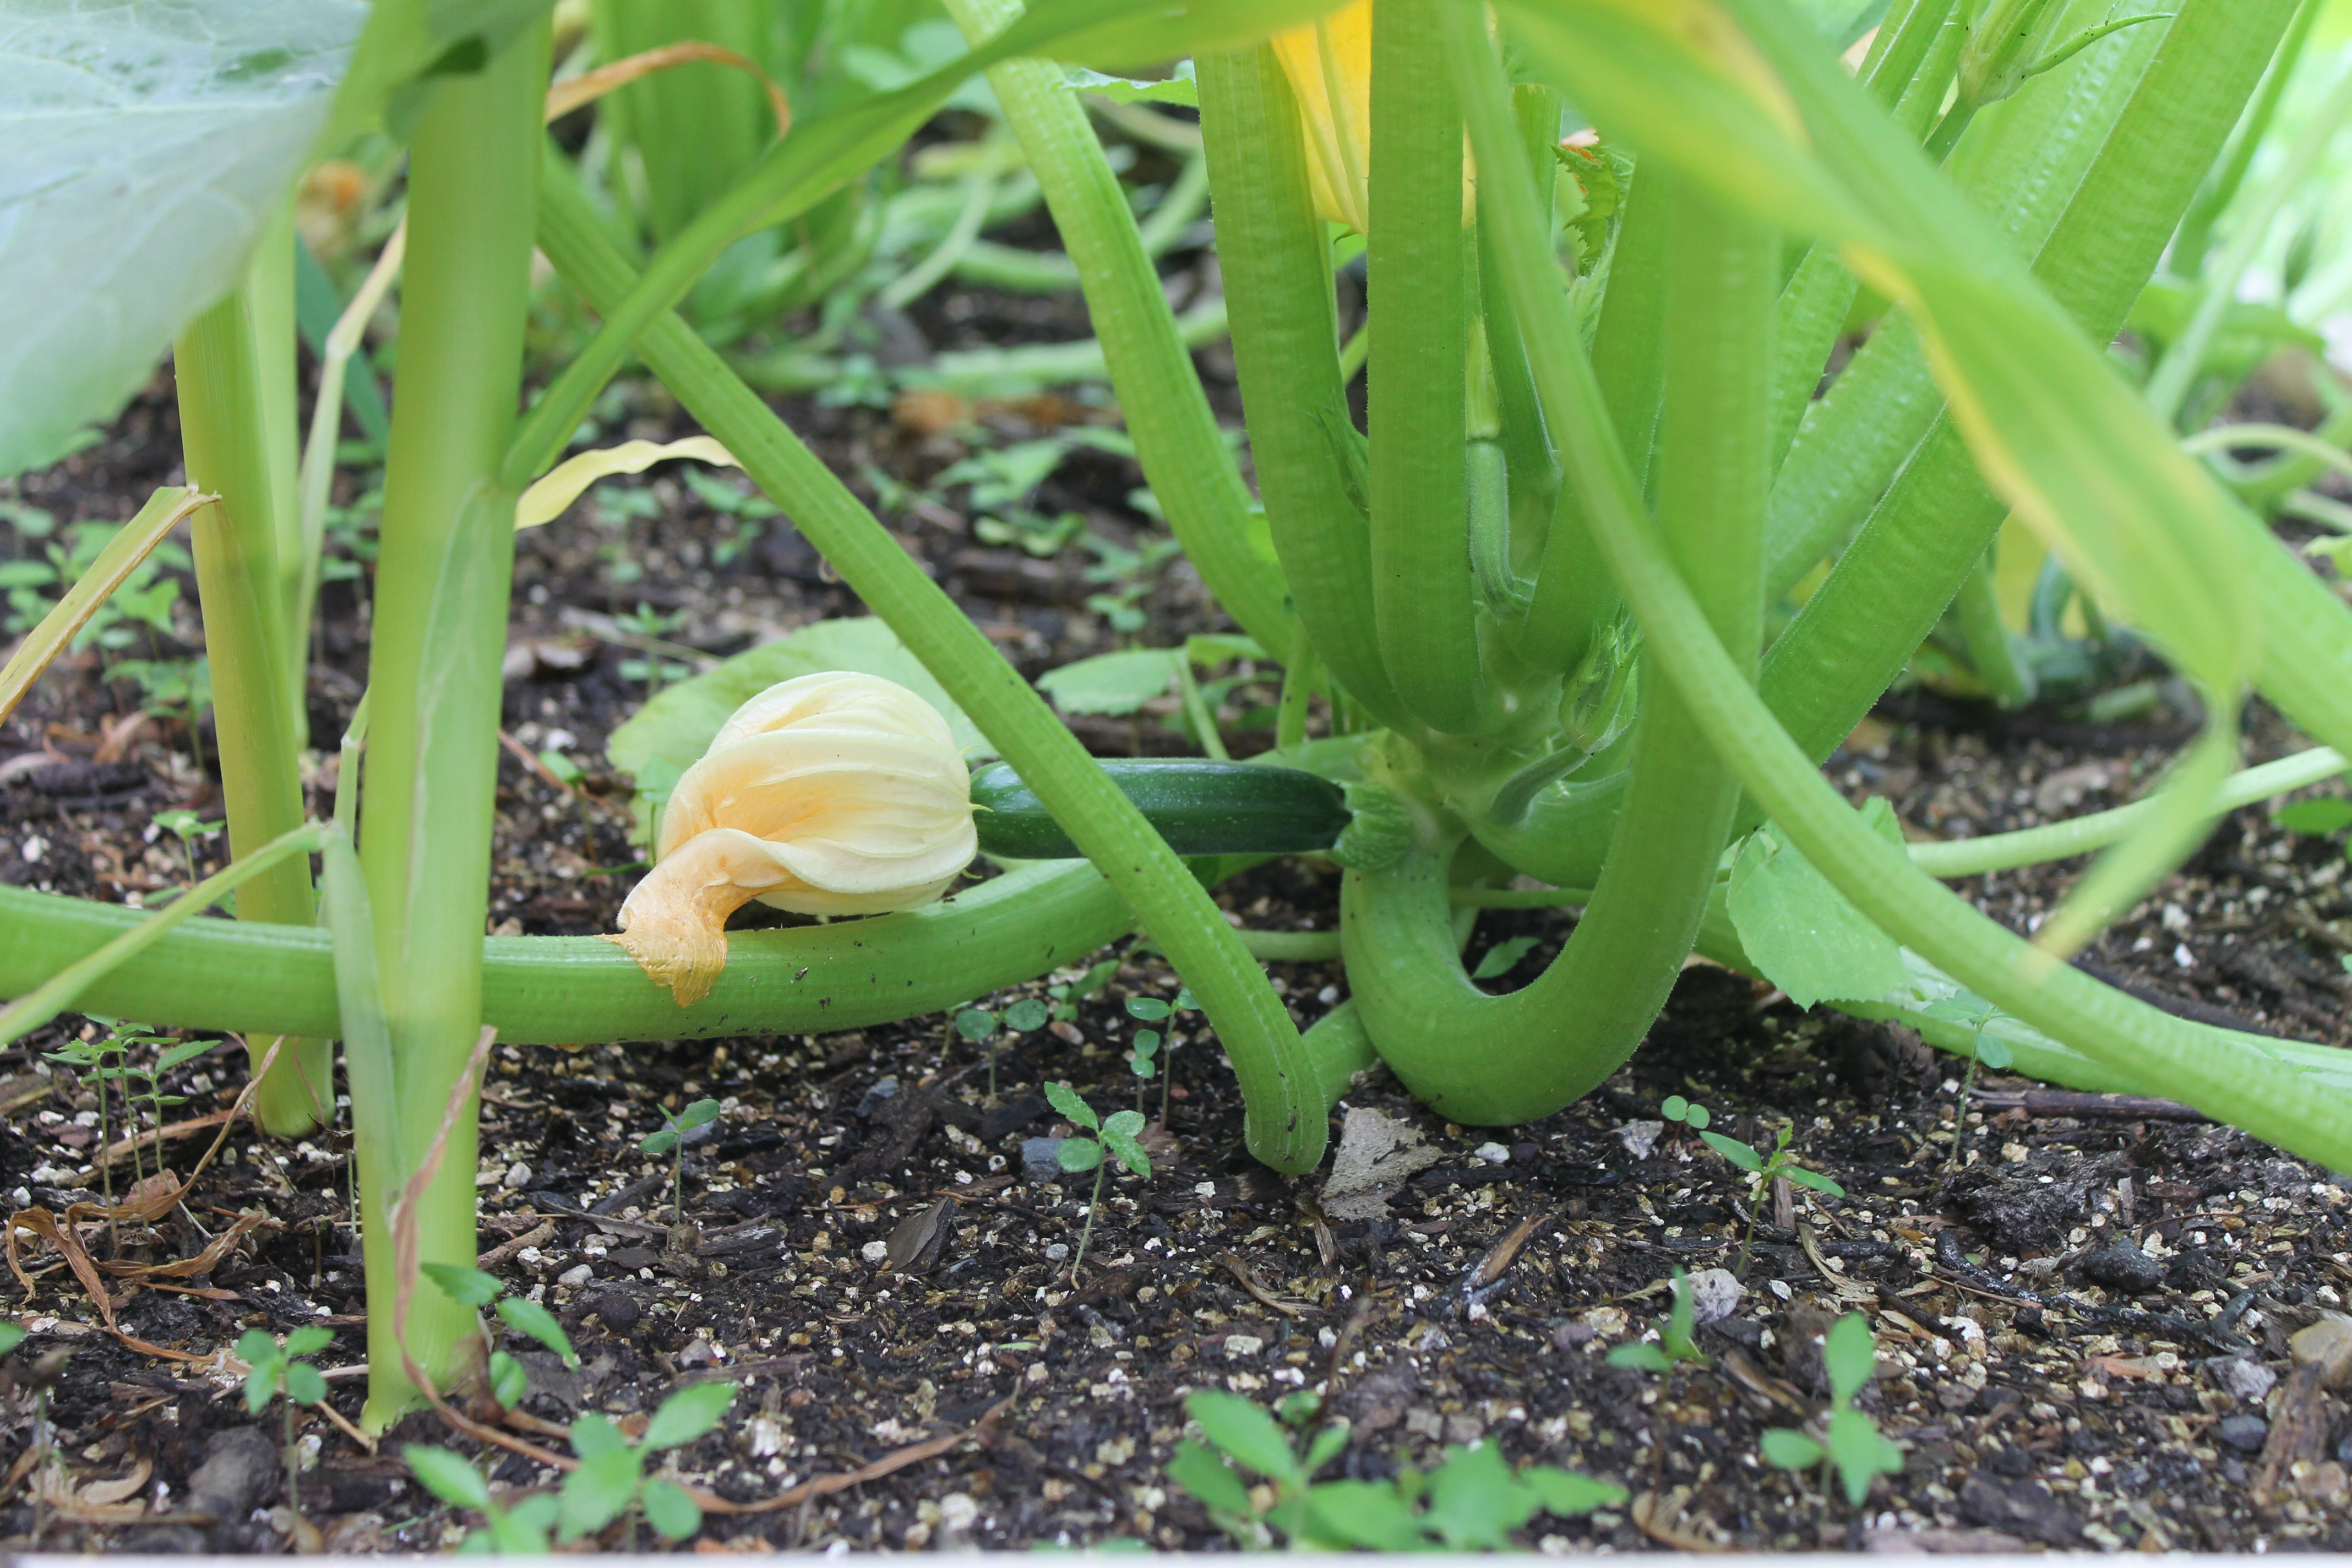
{"type": "Point", "coordinates": [2087, 1324]}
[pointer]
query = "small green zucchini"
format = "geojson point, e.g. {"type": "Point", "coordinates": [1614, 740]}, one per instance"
{"type": "Point", "coordinates": [1199, 807]}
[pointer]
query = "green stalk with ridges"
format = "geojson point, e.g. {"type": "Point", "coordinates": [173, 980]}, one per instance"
{"type": "Point", "coordinates": [235, 369]}
{"type": "Point", "coordinates": [439, 630]}
{"type": "Point", "coordinates": [1167, 413]}
{"type": "Point", "coordinates": [1277, 277]}
{"type": "Point", "coordinates": [1416, 258]}
{"type": "Point", "coordinates": [1285, 1127]}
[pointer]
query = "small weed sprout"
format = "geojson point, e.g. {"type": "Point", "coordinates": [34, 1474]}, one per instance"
{"type": "Point", "coordinates": [1850, 1443]}
{"type": "Point", "coordinates": [980, 1026]}
{"type": "Point", "coordinates": [474, 1287]}
{"type": "Point", "coordinates": [1068, 995]}
{"type": "Point", "coordinates": [1683, 1113]}
{"type": "Point", "coordinates": [671, 1141]}
{"type": "Point", "coordinates": [98, 1062]}
{"type": "Point", "coordinates": [1471, 1503]}
{"type": "Point", "coordinates": [522, 1531]}
{"type": "Point", "coordinates": [186, 826]}
{"type": "Point", "coordinates": [1144, 1058]}
{"type": "Point", "coordinates": [1762, 1170]}
{"type": "Point", "coordinates": [1976, 1014]}
{"type": "Point", "coordinates": [1674, 1342]}
{"type": "Point", "coordinates": [275, 1371]}
{"type": "Point", "coordinates": [612, 1475]}
{"type": "Point", "coordinates": [1080, 1155]}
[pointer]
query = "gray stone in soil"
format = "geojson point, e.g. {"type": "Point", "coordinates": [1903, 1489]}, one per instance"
{"type": "Point", "coordinates": [2242, 1377]}
{"type": "Point", "coordinates": [1714, 1295]}
{"type": "Point", "coordinates": [1040, 1160]}
{"type": "Point", "coordinates": [2122, 1266]}
{"type": "Point", "coordinates": [884, 1087]}
{"type": "Point", "coordinates": [2018, 1507]}
{"type": "Point", "coordinates": [242, 1469]}
{"type": "Point", "coordinates": [2243, 1433]}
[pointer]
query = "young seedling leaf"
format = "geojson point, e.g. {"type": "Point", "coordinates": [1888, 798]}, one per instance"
{"type": "Point", "coordinates": [688, 1414]}
{"type": "Point", "coordinates": [1078, 1154]}
{"type": "Point", "coordinates": [1567, 1495]}
{"type": "Point", "coordinates": [670, 1511]}
{"type": "Point", "coordinates": [1812, 1179]}
{"type": "Point", "coordinates": [1066, 1099]}
{"type": "Point", "coordinates": [1733, 1149]}
{"type": "Point", "coordinates": [187, 1051]}
{"type": "Point", "coordinates": [1026, 1015]}
{"type": "Point", "coordinates": [1785, 1449]}
{"type": "Point", "coordinates": [1803, 933]}
{"type": "Point", "coordinates": [975, 1024]}
{"type": "Point", "coordinates": [447, 1476]}
{"type": "Point", "coordinates": [593, 1433]}
{"type": "Point", "coordinates": [1364, 1515]}
{"type": "Point", "coordinates": [1502, 958]}
{"type": "Point", "coordinates": [528, 1317]}
{"type": "Point", "coordinates": [308, 1340]}
{"type": "Point", "coordinates": [1324, 1448]}
{"type": "Point", "coordinates": [11, 1336]}
{"type": "Point", "coordinates": [701, 1113]}
{"type": "Point", "coordinates": [1850, 1355]}
{"type": "Point", "coordinates": [1861, 1453]}
{"type": "Point", "coordinates": [1474, 1501]}
{"type": "Point", "coordinates": [1674, 1108]}
{"type": "Point", "coordinates": [1130, 1152]}
{"type": "Point", "coordinates": [509, 1380]}
{"type": "Point", "coordinates": [1148, 1009]}
{"type": "Point", "coordinates": [1244, 1431]}
{"type": "Point", "coordinates": [303, 1383]}
{"type": "Point", "coordinates": [594, 1494]}
{"type": "Point", "coordinates": [1124, 1123]}
{"type": "Point", "coordinates": [1208, 1477]}
{"type": "Point", "coordinates": [1994, 1052]}
{"type": "Point", "coordinates": [466, 1287]}
{"type": "Point", "coordinates": [2329, 813]}
{"type": "Point", "coordinates": [661, 1142]}
{"type": "Point", "coordinates": [1640, 1356]}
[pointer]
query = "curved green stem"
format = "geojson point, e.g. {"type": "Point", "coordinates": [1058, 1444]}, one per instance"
{"type": "Point", "coordinates": [1167, 412]}
{"type": "Point", "coordinates": [1285, 1126]}
{"type": "Point", "coordinates": [1990, 649]}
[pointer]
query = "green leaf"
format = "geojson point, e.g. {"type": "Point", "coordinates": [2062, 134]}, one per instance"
{"type": "Point", "coordinates": [1812, 1179]}
{"type": "Point", "coordinates": [594, 1494]}
{"type": "Point", "coordinates": [1124, 1123]}
{"type": "Point", "coordinates": [509, 1380]}
{"type": "Point", "coordinates": [1674, 1108]}
{"type": "Point", "coordinates": [670, 1511]}
{"type": "Point", "coordinates": [526, 1316]}
{"type": "Point", "coordinates": [1024, 1016]}
{"type": "Point", "coordinates": [1699, 1117]}
{"type": "Point", "coordinates": [1324, 1447]}
{"type": "Point", "coordinates": [255, 1347]}
{"type": "Point", "coordinates": [1994, 1052]}
{"type": "Point", "coordinates": [1066, 1099]}
{"type": "Point", "coordinates": [308, 1340]}
{"type": "Point", "coordinates": [1078, 1154]}
{"type": "Point", "coordinates": [1113, 683]}
{"type": "Point", "coordinates": [11, 1336]}
{"type": "Point", "coordinates": [446, 1476]}
{"type": "Point", "coordinates": [1502, 958]}
{"type": "Point", "coordinates": [1861, 1453]}
{"type": "Point", "coordinates": [1361, 1514]}
{"type": "Point", "coordinates": [186, 1052]}
{"type": "Point", "coordinates": [261, 1385]}
{"type": "Point", "coordinates": [1640, 1356]}
{"type": "Point", "coordinates": [975, 1024]}
{"type": "Point", "coordinates": [1474, 1501]}
{"type": "Point", "coordinates": [1146, 1009]}
{"type": "Point", "coordinates": [1208, 1477]}
{"type": "Point", "coordinates": [1784, 1448]}
{"type": "Point", "coordinates": [1733, 1149]}
{"type": "Point", "coordinates": [1800, 932]}
{"type": "Point", "coordinates": [304, 1386]}
{"type": "Point", "coordinates": [1567, 1495]}
{"type": "Point", "coordinates": [466, 1287]}
{"type": "Point", "coordinates": [688, 1414]}
{"type": "Point", "coordinates": [2329, 813]}
{"type": "Point", "coordinates": [1244, 1431]}
{"type": "Point", "coordinates": [1850, 1355]}
{"type": "Point", "coordinates": [701, 1113]}
{"type": "Point", "coordinates": [1130, 1152]}
{"type": "Point", "coordinates": [143, 147]}
{"type": "Point", "coordinates": [522, 1530]}
{"type": "Point", "coordinates": [670, 733]}
{"type": "Point", "coordinates": [1179, 89]}
{"type": "Point", "coordinates": [593, 1433]}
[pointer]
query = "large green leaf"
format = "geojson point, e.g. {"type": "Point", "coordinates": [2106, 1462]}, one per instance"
{"type": "Point", "coordinates": [143, 145]}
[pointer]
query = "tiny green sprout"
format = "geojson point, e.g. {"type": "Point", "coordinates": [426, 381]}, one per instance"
{"type": "Point", "coordinates": [186, 826]}
{"type": "Point", "coordinates": [562, 767]}
{"type": "Point", "coordinates": [1974, 1013]}
{"type": "Point", "coordinates": [474, 1287]}
{"type": "Point", "coordinates": [1674, 1108]}
{"type": "Point", "coordinates": [671, 1141]}
{"type": "Point", "coordinates": [273, 1370]}
{"type": "Point", "coordinates": [1145, 1058]}
{"type": "Point", "coordinates": [522, 1531]}
{"type": "Point", "coordinates": [1471, 1503]}
{"type": "Point", "coordinates": [1849, 1442]}
{"type": "Point", "coordinates": [1080, 1155]}
{"type": "Point", "coordinates": [979, 1025]}
{"type": "Point", "coordinates": [1067, 996]}
{"type": "Point", "coordinates": [611, 1477]}
{"type": "Point", "coordinates": [1675, 1342]}
{"type": "Point", "coordinates": [1762, 1170]}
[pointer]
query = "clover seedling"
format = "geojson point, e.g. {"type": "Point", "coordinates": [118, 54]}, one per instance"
{"type": "Point", "coordinates": [274, 1370]}
{"type": "Point", "coordinates": [472, 1288]}
{"type": "Point", "coordinates": [1682, 1112]}
{"type": "Point", "coordinates": [1078, 1155]}
{"type": "Point", "coordinates": [671, 1141]}
{"type": "Point", "coordinates": [1674, 1341]}
{"type": "Point", "coordinates": [1851, 1443]}
{"type": "Point", "coordinates": [1762, 1169]}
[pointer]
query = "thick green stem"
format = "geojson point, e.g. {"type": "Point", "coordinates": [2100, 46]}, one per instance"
{"type": "Point", "coordinates": [1167, 413]}
{"type": "Point", "coordinates": [1990, 649]}
{"type": "Point", "coordinates": [1417, 281]}
{"type": "Point", "coordinates": [1277, 277]}
{"type": "Point", "coordinates": [1285, 1126]}
{"type": "Point", "coordinates": [1487, 1059]}
{"type": "Point", "coordinates": [235, 367]}
{"type": "Point", "coordinates": [439, 629]}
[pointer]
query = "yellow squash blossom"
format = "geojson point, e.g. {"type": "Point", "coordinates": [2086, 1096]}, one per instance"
{"type": "Point", "coordinates": [828, 795]}
{"type": "Point", "coordinates": [1329, 64]}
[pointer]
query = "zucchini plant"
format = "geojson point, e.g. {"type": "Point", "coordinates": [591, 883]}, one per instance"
{"type": "Point", "coordinates": [1530, 593]}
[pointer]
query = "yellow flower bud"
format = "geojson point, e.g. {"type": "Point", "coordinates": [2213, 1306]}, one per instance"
{"type": "Point", "coordinates": [1329, 64]}
{"type": "Point", "coordinates": [828, 795]}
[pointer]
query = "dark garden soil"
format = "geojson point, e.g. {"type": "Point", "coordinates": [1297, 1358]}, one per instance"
{"type": "Point", "coordinates": [2093, 1329]}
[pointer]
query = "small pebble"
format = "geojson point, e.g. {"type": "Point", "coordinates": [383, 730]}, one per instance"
{"type": "Point", "coordinates": [1057, 1252]}
{"type": "Point", "coordinates": [518, 1175]}
{"type": "Point", "coordinates": [2242, 1377]}
{"type": "Point", "coordinates": [619, 1312]}
{"type": "Point", "coordinates": [1493, 1154]}
{"type": "Point", "coordinates": [1714, 1295]}
{"type": "Point", "coordinates": [2122, 1266]}
{"type": "Point", "coordinates": [579, 1274]}
{"type": "Point", "coordinates": [1039, 1161]}
{"type": "Point", "coordinates": [875, 1251]}
{"type": "Point", "coordinates": [874, 1098]}
{"type": "Point", "coordinates": [2243, 1433]}
{"type": "Point", "coordinates": [1639, 1138]}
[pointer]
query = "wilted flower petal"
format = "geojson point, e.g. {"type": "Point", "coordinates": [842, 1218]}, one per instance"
{"type": "Point", "coordinates": [832, 794]}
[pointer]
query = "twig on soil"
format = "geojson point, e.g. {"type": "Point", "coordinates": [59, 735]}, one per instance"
{"type": "Point", "coordinates": [537, 1235]}
{"type": "Point", "coordinates": [2085, 1107]}
{"type": "Point", "coordinates": [1956, 1262]}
